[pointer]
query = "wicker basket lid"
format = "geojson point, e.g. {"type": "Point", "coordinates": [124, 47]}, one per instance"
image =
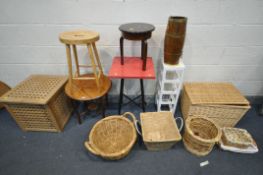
{"type": "Point", "coordinates": [36, 89]}
{"type": "Point", "coordinates": [3, 89]}
{"type": "Point", "coordinates": [159, 127]}
{"type": "Point", "coordinates": [214, 93]}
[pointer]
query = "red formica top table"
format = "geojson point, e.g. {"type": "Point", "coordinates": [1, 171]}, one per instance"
{"type": "Point", "coordinates": [132, 68]}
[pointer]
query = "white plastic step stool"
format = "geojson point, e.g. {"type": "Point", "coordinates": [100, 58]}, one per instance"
{"type": "Point", "coordinates": [169, 84]}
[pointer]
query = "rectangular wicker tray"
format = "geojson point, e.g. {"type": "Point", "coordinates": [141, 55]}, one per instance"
{"type": "Point", "coordinates": [236, 137]}
{"type": "Point", "coordinates": [39, 103]}
{"type": "Point", "coordinates": [159, 130]}
{"type": "Point", "coordinates": [221, 102]}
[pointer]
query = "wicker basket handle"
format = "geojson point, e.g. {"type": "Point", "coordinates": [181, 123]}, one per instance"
{"type": "Point", "coordinates": [181, 122]}
{"type": "Point", "coordinates": [135, 121]}
{"type": "Point", "coordinates": [89, 147]}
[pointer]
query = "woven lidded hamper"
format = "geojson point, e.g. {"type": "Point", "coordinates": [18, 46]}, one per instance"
{"type": "Point", "coordinates": [113, 137]}
{"type": "Point", "coordinates": [39, 103]}
{"type": "Point", "coordinates": [3, 89]}
{"type": "Point", "coordinates": [159, 130]}
{"type": "Point", "coordinates": [200, 135]}
{"type": "Point", "coordinates": [221, 102]}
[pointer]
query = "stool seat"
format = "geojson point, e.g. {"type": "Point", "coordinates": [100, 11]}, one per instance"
{"type": "Point", "coordinates": [84, 90]}
{"type": "Point", "coordinates": [79, 37]}
{"type": "Point", "coordinates": [136, 31]}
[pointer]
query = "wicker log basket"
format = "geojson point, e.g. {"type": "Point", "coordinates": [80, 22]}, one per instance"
{"type": "Point", "coordinates": [200, 135]}
{"type": "Point", "coordinates": [112, 137]}
{"type": "Point", "coordinates": [159, 130]}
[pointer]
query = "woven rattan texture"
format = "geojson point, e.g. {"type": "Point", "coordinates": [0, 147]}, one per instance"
{"type": "Point", "coordinates": [32, 117]}
{"type": "Point", "coordinates": [222, 115]}
{"type": "Point", "coordinates": [214, 93]}
{"type": "Point", "coordinates": [200, 135]}
{"type": "Point", "coordinates": [159, 130]}
{"type": "Point", "coordinates": [39, 103]}
{"type": "Point", "coordinates": [112, 138]}
{"type": "Point", "coordinates": [236, 137]}
{"type": "Point", "coordinates": [112, 135]}
{"type": "Point", "coordinates": [61, 108]}
{"type": "Point", "coordinates": [36, 89]}
{"type": "Point", "coordinates": [3, 89]}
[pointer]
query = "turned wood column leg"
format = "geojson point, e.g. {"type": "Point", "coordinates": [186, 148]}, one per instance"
{"type": "Point", "coordinates": [144, 54]}
{"type": "Point", "coordinates": [121, 50]}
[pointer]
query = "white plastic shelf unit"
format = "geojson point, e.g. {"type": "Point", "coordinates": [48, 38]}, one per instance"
{"type": "Point", "coordinates": [169, 84]}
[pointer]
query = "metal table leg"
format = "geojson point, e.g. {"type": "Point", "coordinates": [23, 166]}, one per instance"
{"type": "Point", "coordinates": [121, 96]}
{"type": "Point", "coordinates": [142, 94]}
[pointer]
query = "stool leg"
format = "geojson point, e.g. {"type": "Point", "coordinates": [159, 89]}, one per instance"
{"type": "Point", "coordinates": [93, 64]}
{"type": "Point", "coordinates": [97, 57]}
{"type": "Point", "coordinates": [121, 50]}
{"type": "Point", "coordinates": [144, 53]}
{"type": "Point", "coordinates": [142, 94]}
{"type": "Point", "coordinates": [142, 50]}
{"type": "Point", "coordinates": [121, 96]}
{"type": "Point", "coordinates": [76, 59]}
{"type": "Point", "coordinates": [75, 107]}
{"type": "Point", "coordinates": [70, 74]}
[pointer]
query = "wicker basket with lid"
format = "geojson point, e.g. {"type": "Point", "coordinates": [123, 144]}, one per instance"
{"type": "Point", "coordinates": [3, 89]}
{"type": "Point", "coordinates": [221, 102]}
{"type": "Point", "coordinates": [39, 103]}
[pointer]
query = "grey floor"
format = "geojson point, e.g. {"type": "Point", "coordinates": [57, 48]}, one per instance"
{"type": "Point", "coordinates": [38, 153]}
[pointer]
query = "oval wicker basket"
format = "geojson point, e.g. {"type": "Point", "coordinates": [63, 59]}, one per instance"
{"type": "Point", "coordinates": [200, 135]}
{"type": "Point", "coordinates": [112, 137]}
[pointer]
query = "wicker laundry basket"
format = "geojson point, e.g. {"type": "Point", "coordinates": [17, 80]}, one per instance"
{"type": "Point", "coordinates": [112, 137]}
{"type": "Point", "coordinates": [200, 135]}
{"type": "Point", "coordinates": [221, 102]}
{"type": "Point", "coordinates": [159, 130]}
{"type": "Point", "coordinates": [3, 89]}
{"type": "Point", "coordinates": [39, 103]}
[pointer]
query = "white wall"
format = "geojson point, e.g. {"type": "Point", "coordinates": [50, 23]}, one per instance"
{"type": "Point", "coordinates": [224, 37]}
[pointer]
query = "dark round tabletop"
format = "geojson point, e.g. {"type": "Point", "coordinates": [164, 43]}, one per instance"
{"type": "Point", "coordinates": [136, 28]}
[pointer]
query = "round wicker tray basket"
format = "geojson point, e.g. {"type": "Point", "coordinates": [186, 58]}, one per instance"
{"type": "Point", "coordinates": [200, 135]}
{"type": "Point", "coordinates": [112, 137]}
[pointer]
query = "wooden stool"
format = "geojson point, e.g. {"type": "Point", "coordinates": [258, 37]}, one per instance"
{"type": "Point", "coordinates": [85, 87]}
{"type": "Point", "coordinates": [136, 32]}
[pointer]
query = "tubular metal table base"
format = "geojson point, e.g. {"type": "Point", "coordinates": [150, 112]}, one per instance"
{"type": "Point", "coordinates": [131, 100]}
